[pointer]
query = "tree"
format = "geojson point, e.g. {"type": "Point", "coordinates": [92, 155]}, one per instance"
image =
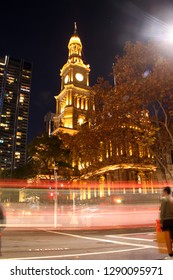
{"type": "Point", "coordinates": [145, 72]}
{"type": "Point", "coordinates": [44, 151]}
{"type": "Point", "coordinates": [24, 172]}
{"type": "Point", "coordinates": [115, 126]}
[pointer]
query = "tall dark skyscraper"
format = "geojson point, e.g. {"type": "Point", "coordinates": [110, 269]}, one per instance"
{"type": "Point", "coordinates": [15, 87]}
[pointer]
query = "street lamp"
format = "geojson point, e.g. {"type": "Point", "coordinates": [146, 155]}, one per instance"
{"type": "Point", "coordinates": [169, 35]}
{"type": "Point", "coordinates": [55, 196]}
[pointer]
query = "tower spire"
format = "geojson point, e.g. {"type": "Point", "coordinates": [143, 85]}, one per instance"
{"type": "Point", "coordinates": [75, 28]}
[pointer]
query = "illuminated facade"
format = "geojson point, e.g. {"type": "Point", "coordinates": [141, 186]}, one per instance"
{"type": "Point", "coordinates": [74, 102]}
{"type": "Point", "coordinates": [124, 160]}
{"type": "Point", "coordinates": [109, 161]}
{"type": "Point", "coordinates": [15, 86]}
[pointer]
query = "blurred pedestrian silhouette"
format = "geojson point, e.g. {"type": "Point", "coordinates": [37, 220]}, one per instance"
{"type": "Point", "coordinates": [166, 218]}
{"type": "Point", "coordinates": [2, 223]}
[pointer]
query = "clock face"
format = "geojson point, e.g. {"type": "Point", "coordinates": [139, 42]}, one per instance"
{"type": "Point", "coordinates": [66, 79]}
{"type": "Point", "coordinates": [79, 77]}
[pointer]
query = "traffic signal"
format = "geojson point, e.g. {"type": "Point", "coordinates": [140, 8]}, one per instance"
{"type": "Point", "coordinates": [51, 195]}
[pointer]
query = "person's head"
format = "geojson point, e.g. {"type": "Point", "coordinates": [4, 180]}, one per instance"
{"type": "Point", "coordinates": [167, 190]}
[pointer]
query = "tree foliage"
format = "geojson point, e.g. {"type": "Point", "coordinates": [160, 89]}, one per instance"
{"type": "Point", "coordinates": [145, 72]}
{"type": "Point", "coordinates": [44, 151]}
{"type": "Point", "coordinates": [116, 125]}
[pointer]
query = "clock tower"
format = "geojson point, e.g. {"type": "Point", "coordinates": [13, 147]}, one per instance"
{"type": "Point", "coordinates": [75, 102]}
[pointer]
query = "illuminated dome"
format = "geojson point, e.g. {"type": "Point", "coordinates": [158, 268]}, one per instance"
{"type": "Point", "coordinates": [75, 38]}
{"type": "Point", "coordinates": [75, 45]}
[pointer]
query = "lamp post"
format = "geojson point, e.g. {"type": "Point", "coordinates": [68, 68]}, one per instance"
{"type": "Point", "coordinates": [74, 204]}
{"type": "Point", "coordinates": [55, 197]}
{"type": "Point", "coordinates": [74, 220]}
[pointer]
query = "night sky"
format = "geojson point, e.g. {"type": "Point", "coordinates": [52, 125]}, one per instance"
{"type": "Point", "coordinates": [39, 33]}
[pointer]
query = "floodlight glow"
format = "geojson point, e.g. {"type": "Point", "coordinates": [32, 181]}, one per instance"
{"type": "Point", "coordinates": [169, 35]}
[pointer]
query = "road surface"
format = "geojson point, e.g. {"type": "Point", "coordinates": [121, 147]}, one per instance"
{"type": "Point", "coordinates": [51, 244]}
